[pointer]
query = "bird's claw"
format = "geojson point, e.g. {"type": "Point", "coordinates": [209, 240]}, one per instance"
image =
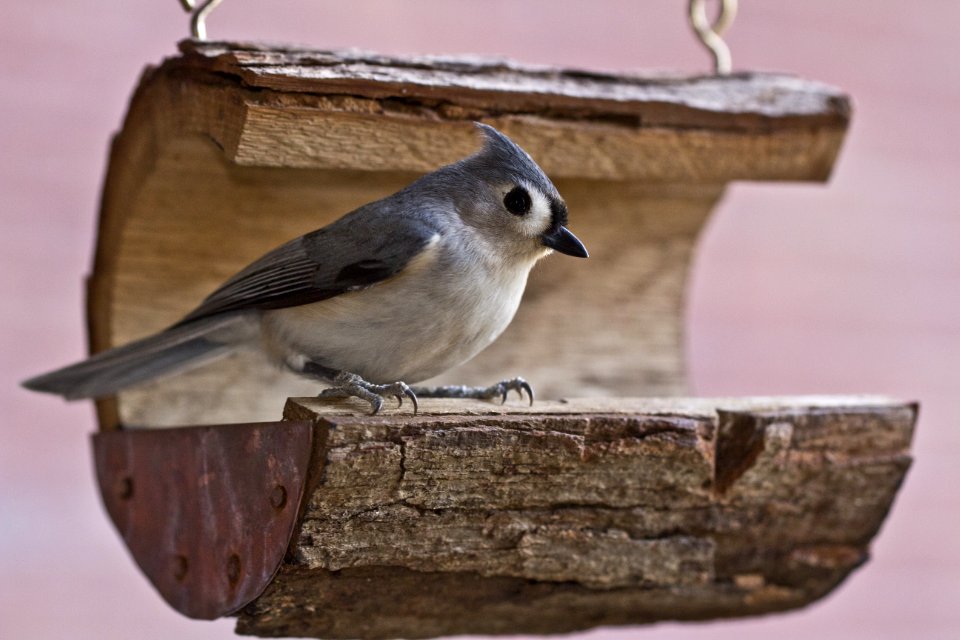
{"type": "Point", "coordinates": [500, 390]}
{"type": "Point", "coordinates": [376, 403]}
{"type": "Point", "coordinates": [351, 385]}
{"type": "Point", "coordinates": [504, 387]}
{"type": "Point", "coordinates": [398, 390]}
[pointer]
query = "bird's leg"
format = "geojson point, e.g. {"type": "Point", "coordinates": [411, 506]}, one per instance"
{"type": "Point", "coordinates": [350, 385]}
{"type": "Point", "coordinates": [480, 393]}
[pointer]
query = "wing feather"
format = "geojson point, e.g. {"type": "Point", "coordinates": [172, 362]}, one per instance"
{"type": "Point", "coordinates": [355, 252]}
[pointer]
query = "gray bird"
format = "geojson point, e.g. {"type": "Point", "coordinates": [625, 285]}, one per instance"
{"type": "Point", "coordinates": [397, 291]}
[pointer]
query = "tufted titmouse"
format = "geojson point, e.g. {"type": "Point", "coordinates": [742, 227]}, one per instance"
{"type": "Point", "coordinates": [400, 289]}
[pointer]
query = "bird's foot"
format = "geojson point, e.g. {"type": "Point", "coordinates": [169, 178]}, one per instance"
{"type": "Point", "coordinates": [349, 385]}
{"type": "Point", "coordinates": [501, 389]}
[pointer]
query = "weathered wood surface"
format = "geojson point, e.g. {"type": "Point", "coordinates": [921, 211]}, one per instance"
{"type": "Point", "coordinates": [754, 100]}
{"type": "Point", "coordinates": [347, 110]}
{"type": "Point", "coordinates": [230, 150]}
{"type": "Point", "coordinates": [476, 518]}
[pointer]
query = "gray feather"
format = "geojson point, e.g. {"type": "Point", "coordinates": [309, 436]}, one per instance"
{"type": "Point", "coordinates": [114, 369]}
{"type": "Point", "coordinates": [361, 249]}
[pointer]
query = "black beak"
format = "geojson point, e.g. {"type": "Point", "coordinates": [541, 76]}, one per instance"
{"type": "Point", "coordinates": [560, 239]}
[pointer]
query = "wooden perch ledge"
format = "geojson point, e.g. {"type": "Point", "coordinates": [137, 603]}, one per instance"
{"type": "Point", "coordinates": [481, 519]}
{"type": "Point", "coordinates": [564, 516]}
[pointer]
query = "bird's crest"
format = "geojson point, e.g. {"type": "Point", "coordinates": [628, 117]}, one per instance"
{"type": "Point", "coordinates": [507, 155]}
{"type": "Point", "coordinates": [503, 147]}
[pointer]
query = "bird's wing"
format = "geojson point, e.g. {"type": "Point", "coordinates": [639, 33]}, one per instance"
{"type": "Point", "coordinates": [355, 252]}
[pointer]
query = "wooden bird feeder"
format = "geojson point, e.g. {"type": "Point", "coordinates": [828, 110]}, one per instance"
{"type": "Point", "coordinates": [471, 517]}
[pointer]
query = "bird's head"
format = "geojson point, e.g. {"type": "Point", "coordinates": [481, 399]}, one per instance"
{"type": "Point", "coordinates": [508, 198]}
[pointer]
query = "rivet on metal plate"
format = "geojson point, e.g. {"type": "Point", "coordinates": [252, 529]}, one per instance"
{"type": "Point", "coordinates": [233, 568]}
{"type": "Point", "coordinates": [125, 488]}
{"type": "Point", "coordinates": [180, 567]}
{"type": "Point", "coordinates": [278, 497]}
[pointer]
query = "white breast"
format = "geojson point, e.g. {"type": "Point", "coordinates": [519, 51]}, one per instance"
{"type": "Point", "coordinates": [445, 307]}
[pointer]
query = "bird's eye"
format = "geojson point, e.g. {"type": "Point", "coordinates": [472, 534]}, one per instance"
{"type": "Point", "coordinates": [517, 201]}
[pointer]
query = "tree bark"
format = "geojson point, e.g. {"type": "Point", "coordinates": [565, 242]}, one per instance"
{"type": "Point", "coordinates": [475, 518]}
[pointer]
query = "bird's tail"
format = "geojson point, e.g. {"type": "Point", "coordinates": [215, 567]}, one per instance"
{"type": "Point", "coordinates": [175, 349]}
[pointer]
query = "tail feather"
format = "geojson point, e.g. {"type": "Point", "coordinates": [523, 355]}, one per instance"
{"type": "Point", "coordinates": [113, 370]}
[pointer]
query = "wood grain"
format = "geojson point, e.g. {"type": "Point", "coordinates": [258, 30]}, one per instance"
{"type": "Point", "coordinates": [476, 518]}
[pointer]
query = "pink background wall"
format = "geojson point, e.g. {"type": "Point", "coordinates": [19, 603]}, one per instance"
{"type": "Point", "coordinates": [798, 289]}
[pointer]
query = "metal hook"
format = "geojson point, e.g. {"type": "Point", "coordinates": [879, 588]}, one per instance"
{"type": "Point", "coordinates": [709, 34]}
{"type": "Point", "coordinates": [198, 15]}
